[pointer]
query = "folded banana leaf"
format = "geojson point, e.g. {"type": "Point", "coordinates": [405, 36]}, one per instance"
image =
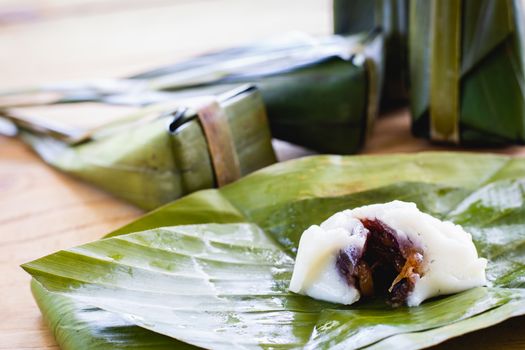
{"type": "Point", "coordinates": [356, 16]}
{"type": "Point", "coordinates": [163, 151]}
{"type": "Point", "coordinates": [212, 269]}
{"type": "Point", "coordinates": [320, 93]}
{"type": "Point", "coordinates": [467, 71]}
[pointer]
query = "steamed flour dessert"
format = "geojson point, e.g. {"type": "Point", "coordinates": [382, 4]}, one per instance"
{"type": "Point", "coordinates": [390, 249]}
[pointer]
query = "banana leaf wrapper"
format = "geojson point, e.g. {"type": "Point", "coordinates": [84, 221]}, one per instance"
{"type": "Point", "coordinates": [468, 84]}
{"type": "Point", "coordinates": [320, 93]}
{"type": "Point", "coordinates": [164, 151]}
{"type": "Point", "coordinates": [356, 16]}
{"type": "Point", "coordinates": [212, 269]}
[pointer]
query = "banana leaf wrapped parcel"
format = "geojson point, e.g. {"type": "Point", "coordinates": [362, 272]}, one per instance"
{"type": "Point", "coordinates": [160, 152]}
{"type": "Point", "coordinates": [320, 93]}
{"type": "Point", "coordinates": [467, 71]}
{"type": "Point", "coordinates": [356, 16]}
{"type": "Point", "coordinates": [212, 269]}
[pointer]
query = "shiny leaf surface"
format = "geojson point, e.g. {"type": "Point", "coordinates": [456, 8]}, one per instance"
{"type": "Point", "coordinates": [212, 269]}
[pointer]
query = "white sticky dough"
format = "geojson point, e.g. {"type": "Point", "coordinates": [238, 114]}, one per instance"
{"type": "Point", "coordinates": [450, 260]}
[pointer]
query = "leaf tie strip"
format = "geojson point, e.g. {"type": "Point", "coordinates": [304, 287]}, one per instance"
{"type": "Point", "coordinates": [218, 135]}
{"type": "Point", "coordinates": [445, 70]}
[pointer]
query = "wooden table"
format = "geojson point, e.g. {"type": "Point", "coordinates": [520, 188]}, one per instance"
{"type": "Point", "coordinates": [42, 210]}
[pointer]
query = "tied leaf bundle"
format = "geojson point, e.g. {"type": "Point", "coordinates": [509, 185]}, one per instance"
{"type": "Point", "coordinates": [320, 93]}
{"type": "Point", "coordinates": [467, 71]}
{"type": "Point", "coordinates": [163, 151]}
{"type": "Point", "coordinates": [355, 16]}
{"type": "Point", "coordinates": [212, 270]}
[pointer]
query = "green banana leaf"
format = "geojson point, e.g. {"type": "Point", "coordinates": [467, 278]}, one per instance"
{"type": "Point", "coordinates": [320, 93]}
{"type": "Point", "coordinates": [356, 16]}
{"type": "Point", "coordinates": [212, 269]}
{"type": "Point", "coordinates": [478, 75]}
{"type": "Point", "coordinates": [161, 152]}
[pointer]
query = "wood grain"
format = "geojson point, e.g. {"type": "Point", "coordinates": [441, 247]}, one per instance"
{"type": "Point", "coordinates": [42, 210]}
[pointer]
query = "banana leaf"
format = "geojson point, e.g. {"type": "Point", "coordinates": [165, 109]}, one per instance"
{"type": "Point", "coordinates": [320, 93]}
{"type": "Point", "coordinates": [356, 16]}
{"type": "Point", "coordinates": [163, 151]}
{"type": "Point", "coordinates": [212, 269]}
{"type": "Point", "coordinates": [468, 85]}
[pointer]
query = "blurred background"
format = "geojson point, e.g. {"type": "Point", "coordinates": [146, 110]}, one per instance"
{"type": "Point", "coordinates": [54, 40]}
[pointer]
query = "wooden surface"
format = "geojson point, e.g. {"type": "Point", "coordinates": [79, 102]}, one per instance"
{"type": "Point", "coordinates": [42, 210]}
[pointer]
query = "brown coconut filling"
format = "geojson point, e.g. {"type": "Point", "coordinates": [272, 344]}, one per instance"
{"type": "Point", "coordinates": [387, 265]}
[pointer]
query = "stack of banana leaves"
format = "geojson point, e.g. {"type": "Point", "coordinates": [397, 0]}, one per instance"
{"type": "Point", "coordinates": [467, 71]}
{"type": "Point", "coordinates": [355, 16]}
{"type": "Point", "coordinates": [161, 152]}
{"type": "Point", "coordinates": [320, 93]}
